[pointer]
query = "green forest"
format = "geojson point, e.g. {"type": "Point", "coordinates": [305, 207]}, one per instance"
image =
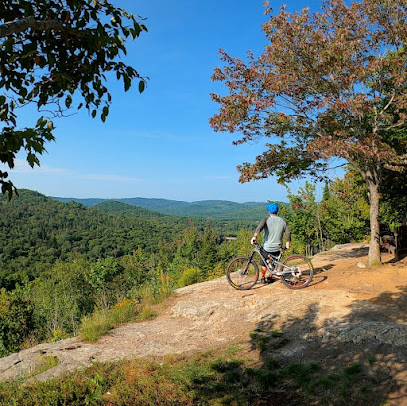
{"type": "Point", "coordinates": [62, 262]}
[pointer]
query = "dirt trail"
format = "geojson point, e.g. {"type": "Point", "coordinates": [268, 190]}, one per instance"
{"type": "Point", "coordinates": [348, 313]}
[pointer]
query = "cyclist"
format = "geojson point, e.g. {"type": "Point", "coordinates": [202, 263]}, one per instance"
{"type": "Point", "coordinates": [274, 228]}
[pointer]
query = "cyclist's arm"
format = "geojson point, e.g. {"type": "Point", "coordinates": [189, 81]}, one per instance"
{"type": "Point", "coordinates": [260, 227]}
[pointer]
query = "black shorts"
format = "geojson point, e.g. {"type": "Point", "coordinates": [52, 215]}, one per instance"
{"type": "Point", "coordinates": [266, 254]}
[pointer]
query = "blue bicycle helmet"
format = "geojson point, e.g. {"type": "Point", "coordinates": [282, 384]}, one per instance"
{"type": "Point", "coordinates": [272, 208]}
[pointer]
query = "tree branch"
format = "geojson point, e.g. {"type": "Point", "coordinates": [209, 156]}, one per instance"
{"type": "Point", "coordinates": [392, 127]}
{"type": "Point", "coordinates": [14, 27]}
{"type": "Point", "coordinates": [388, 104]}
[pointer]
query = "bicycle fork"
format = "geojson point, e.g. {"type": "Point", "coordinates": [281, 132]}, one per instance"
{"type": "Point", "coordinates": [248, 263]}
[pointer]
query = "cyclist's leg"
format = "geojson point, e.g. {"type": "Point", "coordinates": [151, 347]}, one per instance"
{"type": "Point", "coordinates": [264, 269]}
{"type": "Point", "coordinates": [275, 255]}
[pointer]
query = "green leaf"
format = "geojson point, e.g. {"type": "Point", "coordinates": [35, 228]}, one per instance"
{"type": "Point", "coordinates": [23, 92]}
{"type": "Point", "coordinates": [32, 160]}
{"type": "Point", "coordinates": [127, 82]}
{"type": "Point", "coordinates": [68, 101]}
{"type": "Point", "coordinates": [141, 86]}
{"type": "Point", "coordinates": [51, 60]}
{"type": "Point", "coordinates": [40, 122]}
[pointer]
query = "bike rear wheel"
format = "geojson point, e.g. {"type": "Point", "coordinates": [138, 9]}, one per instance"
{"type": "Point", "coordinates": [242, 273]}
{"type": "Point", "coordinates": [297, 272]}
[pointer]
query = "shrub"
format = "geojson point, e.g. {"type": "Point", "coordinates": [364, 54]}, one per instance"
{"type": "Point", "coordinates": [101, 321]}
{"type": "Point", "coordinates": [190, 276]}
{"type": "Point", "coordinates": [16, 319]}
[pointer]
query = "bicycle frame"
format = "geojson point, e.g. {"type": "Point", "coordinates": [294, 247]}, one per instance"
{"type": "Point", "coordinates": [273, 264]}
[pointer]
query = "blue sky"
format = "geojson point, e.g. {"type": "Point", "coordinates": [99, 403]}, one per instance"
{"type": "Point", "coordinates": [159, 144]}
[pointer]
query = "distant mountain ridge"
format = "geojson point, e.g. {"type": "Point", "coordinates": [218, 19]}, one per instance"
{"type": "Point", "coordinates": [216, 209]}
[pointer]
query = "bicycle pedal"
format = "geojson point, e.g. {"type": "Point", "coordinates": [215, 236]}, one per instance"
{"type": "Point", "coordinates": [266, 280]}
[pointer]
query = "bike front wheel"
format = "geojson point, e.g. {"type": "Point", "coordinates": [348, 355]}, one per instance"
{"type": "Point", "coordinates": [242, 273]}
{"type": "Point", "coordinates": [297, 272]}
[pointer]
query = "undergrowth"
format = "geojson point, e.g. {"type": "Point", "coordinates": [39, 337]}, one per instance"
{"type": "Point", "coordinates": [213, 378]}
{"type": "Point", "coordinates": [142, 308]}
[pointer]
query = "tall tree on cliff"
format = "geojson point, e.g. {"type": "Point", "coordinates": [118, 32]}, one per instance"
{"type": "Point", "coordinates": [51, 51]}
{"type": "Point", "coordinates": [328, 85]}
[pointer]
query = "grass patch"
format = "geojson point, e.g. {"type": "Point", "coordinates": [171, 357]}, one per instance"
{"type": "Point", "coordinates": [264, 340]}
{"type": "Point", "coordinates": [95, 326]}
{"type": "Point", "coordinates": [101, 321]}
{"type": "Point", "coordinates": [233, 350]}
{"type": "Point", "coordinates": [276, 333]}
{"type": "Point", "coordinates": [45, 364]}
{"type": "Point", "coordinates": [138, 309]}
{"type": "Point", "coordinates": [146, 313]}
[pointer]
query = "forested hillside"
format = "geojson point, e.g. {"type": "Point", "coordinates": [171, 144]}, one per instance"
{"type": "Point", "coordinates": [37, 231]}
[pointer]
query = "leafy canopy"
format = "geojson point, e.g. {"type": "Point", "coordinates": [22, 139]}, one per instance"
{"type": "Point", "coordinates": [328, 84]}
{"type": "Point", "coordinates": [51, 51]}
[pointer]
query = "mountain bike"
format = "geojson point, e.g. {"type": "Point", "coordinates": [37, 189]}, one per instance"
{"type": "Point", "coordinates": [296, 271]}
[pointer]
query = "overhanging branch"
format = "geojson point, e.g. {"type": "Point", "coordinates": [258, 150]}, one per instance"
{"type": "Point", "coordinates": [14, 27]}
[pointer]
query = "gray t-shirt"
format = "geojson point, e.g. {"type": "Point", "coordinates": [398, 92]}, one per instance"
{"type": "Point", "coordinates": [274, 229]}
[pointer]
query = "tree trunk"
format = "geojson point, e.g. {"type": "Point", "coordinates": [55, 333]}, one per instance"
{"type": "Point", "coordinates": [374, 247]}
{"type": "Point", "coordinates": [321, 236]}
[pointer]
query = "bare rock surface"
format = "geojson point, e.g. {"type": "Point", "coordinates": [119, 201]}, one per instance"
{"type": "Point", "coordinates": [345, 310]}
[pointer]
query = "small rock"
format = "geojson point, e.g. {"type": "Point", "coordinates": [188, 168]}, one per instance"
{"type": "Point", "coordinates": [361, 265]}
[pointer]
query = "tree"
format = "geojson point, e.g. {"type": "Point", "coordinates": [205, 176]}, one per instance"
{"type": "Point", "coordinates": [188, 248]}
{"type": "Point", "coordinates": [328, 85]}
{"type": "Point", "coordinates": [51, 51]}
{"type": "Point", "coordinates": [208, 252]}
{"type": "Point", "coordinates": [345, 211]}
{"type": "Point", "coordinates": [61, 297]}
{"type": "Point", "coordinates": [393, 207]}
{"type": "Point", "coordinates": [100, 276]}
{"type": "Point", "coordinates": [305, 220]}
{"type": "Point", "coordinates": [16, 319]}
